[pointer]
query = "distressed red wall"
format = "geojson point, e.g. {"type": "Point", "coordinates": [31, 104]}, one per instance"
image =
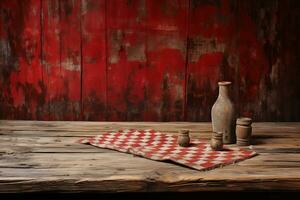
{"type": "Point", "coordinates": [148, 60]}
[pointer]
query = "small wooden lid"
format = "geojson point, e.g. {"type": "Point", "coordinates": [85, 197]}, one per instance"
{"type": "Point", "coordinates": [217, 134]}
{"type": "Point", "coordinates": [244, 121]}
{"type": "Point", "coordinates": [184, 131]}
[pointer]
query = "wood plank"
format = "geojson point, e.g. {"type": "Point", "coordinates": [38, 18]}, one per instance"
{"type": "Point", "coordinates": [45, 157]}
{"type": "Point", "coordinates": [264, 129]}
{"type": "Point", "coordinates": [166, 60]}
{"type": "Point", "coordinates": [134, 168]}
{"type": "Point", "coordinates": [139, 90]}
{"type": "Point", "coordinates": [70, 58]}
{"type": "Point", "coordinates": [51, 46]}
{"type": "Point", "coordinates": [126, 61]}
{"type": "Point", "coordinates": [207, 37]}
{"type": "Point", "coordinates": [26, 85]}
{"type": "Point", "coordinates": [94, 59]}
{"type": "Point", "coordinates": [66, 142]}
{"type": "Point", "coordinates": [19, 144]}
{"type": "Point", "coordinates": [92, 184]}
{"type": "Point", "coordinates": [8, 55]}
{"type": "Point", "coordinates": [58, 74]}
{"type": "Point", "coordinates": [82, 159]}
{"type": "Point", "coordinates": [62, 58]}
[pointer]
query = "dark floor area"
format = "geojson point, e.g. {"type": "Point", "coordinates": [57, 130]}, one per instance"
{"type": "Point", "coordinates": [254, 195]}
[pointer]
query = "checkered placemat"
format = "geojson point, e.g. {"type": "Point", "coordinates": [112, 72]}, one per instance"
{"type": "Point", "coordinates": [160, 146]}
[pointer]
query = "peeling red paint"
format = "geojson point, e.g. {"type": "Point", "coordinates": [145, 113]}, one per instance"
{"type": "Point", "coordinates": [70, 50]}
{"type": "Point", "coordinates": [25, 81]}
{"type": "Point", "coordinates": [125, 74]}
{"type": "Point", "coordinates": [210, 20]}
{"type": "Point", "coordinates": [94, 59]}
{"type": "Point", "coordinates": [253, 62]}
{"type": "Point", "coordinates": [166, 77]}
{"type": "Point", "coordinates": [207, 66]}
{"type": "Point", "coordinates": [167, 15]}
{"type": "Point", "coordinates": [62, 58]}
{"type": "Point", "coordinates": [51, 50]}
{"type": "Point", "coordinates": [126, 14]}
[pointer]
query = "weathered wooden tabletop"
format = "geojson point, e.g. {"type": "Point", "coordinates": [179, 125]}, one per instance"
{"type": "Point", "coordinates": [44, 156]}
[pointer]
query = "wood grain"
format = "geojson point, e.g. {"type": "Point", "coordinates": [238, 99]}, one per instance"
{"type": "Point", "coordinates": [93, 79]}
{"type": "Point", "coordinates": [126, 61]}
{"type": "Point", "coordinates": [70, 58]}
{"type": "Point", "coordinates": [45, 156]}
{"type": "Point", "coordinates": [51, 49]}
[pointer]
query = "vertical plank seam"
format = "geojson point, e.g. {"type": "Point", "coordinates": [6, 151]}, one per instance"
{"type": "Point", "coordinates": [81, 63]}
{"type": "Point", "coordinates": [60, 34]}
{"type": "Point", "coordinates": [41, 35]}
{"type": "Point", "coordinates": [60, 57]}
{"type": "Point", "coordinates": [106, 63]}
{"type": "Point", "coordinates": [146, 31]}
{"type": "Point", "coordinates": [186, 63]}
{"type": "Point", "coordinates": [42, 54]}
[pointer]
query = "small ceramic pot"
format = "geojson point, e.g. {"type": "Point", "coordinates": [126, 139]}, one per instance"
{"type": "Point", "coordinates": [216, 142]}
{"type": "Point", "coordinates": [183, 138]}
{"type": "Point", "coordinates": [243, 131]}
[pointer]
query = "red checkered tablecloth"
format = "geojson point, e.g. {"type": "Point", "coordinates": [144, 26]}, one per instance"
{"type": "Point", "coordinates": [160, 146]}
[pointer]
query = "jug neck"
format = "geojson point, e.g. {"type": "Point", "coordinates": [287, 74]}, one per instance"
{"type": "Point", "coordinates": [224, 89]}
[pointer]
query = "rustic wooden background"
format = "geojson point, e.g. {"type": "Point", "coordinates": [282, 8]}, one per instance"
{"type": "Point", "coordinates": [148, 60]}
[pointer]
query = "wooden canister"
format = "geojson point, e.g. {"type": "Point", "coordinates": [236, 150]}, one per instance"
{"type": "Point", "coordinates": [243, 131]}
{"type": "Point", "coordinates": [183, 138]}
{"type": "Point", "coordinates": [216, 142]}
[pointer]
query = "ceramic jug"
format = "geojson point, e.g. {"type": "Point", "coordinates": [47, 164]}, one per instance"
{"type": "Point", "coordinates": [223, 114]}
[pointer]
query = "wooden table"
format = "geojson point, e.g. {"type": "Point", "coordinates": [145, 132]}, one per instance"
{"type": "Point", "coordinates": [44, 156]}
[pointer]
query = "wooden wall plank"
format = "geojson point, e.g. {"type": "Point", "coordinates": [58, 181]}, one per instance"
{"type": "Point", "coordinates": [51, 46]}
{"type": "Point", "coordinates": [166, 55]}
{"type": "Point", "coordinates": [253, 63]}
{"type": "Point", "coordinates": [126, 62]}
{"type": "Point", "coordinates": [268, 48]}
{"type": "Point", "coordinates": [251, 55]}
{"type": "Point", "coordinates": [70, 57]}
{"type": "Point", "coordinates": [94, 59]}
{"type": "Point", "coordinates": [208, 23]}
{"type": "Point", "coordinates": [26, 90]}
{"type": "Point", "coordinates": [224, 44]}
{"type": "Point", "coordinates": [8, 55]}
{"type": "Point", "coordinates": [62, 58]}
{"type": "Point", "coordinates": [287, 32]}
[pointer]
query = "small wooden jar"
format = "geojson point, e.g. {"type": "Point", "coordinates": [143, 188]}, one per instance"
{"type": "Point", "coordinates": [243, 131]}
{"type": "Point", "coordinates": [183, 138]}
{"type": "Point", "coordinates": [216, 142]}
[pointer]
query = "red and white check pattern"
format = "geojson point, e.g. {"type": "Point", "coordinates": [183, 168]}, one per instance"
{"type": "Point", "coordinates": [159, 146]}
